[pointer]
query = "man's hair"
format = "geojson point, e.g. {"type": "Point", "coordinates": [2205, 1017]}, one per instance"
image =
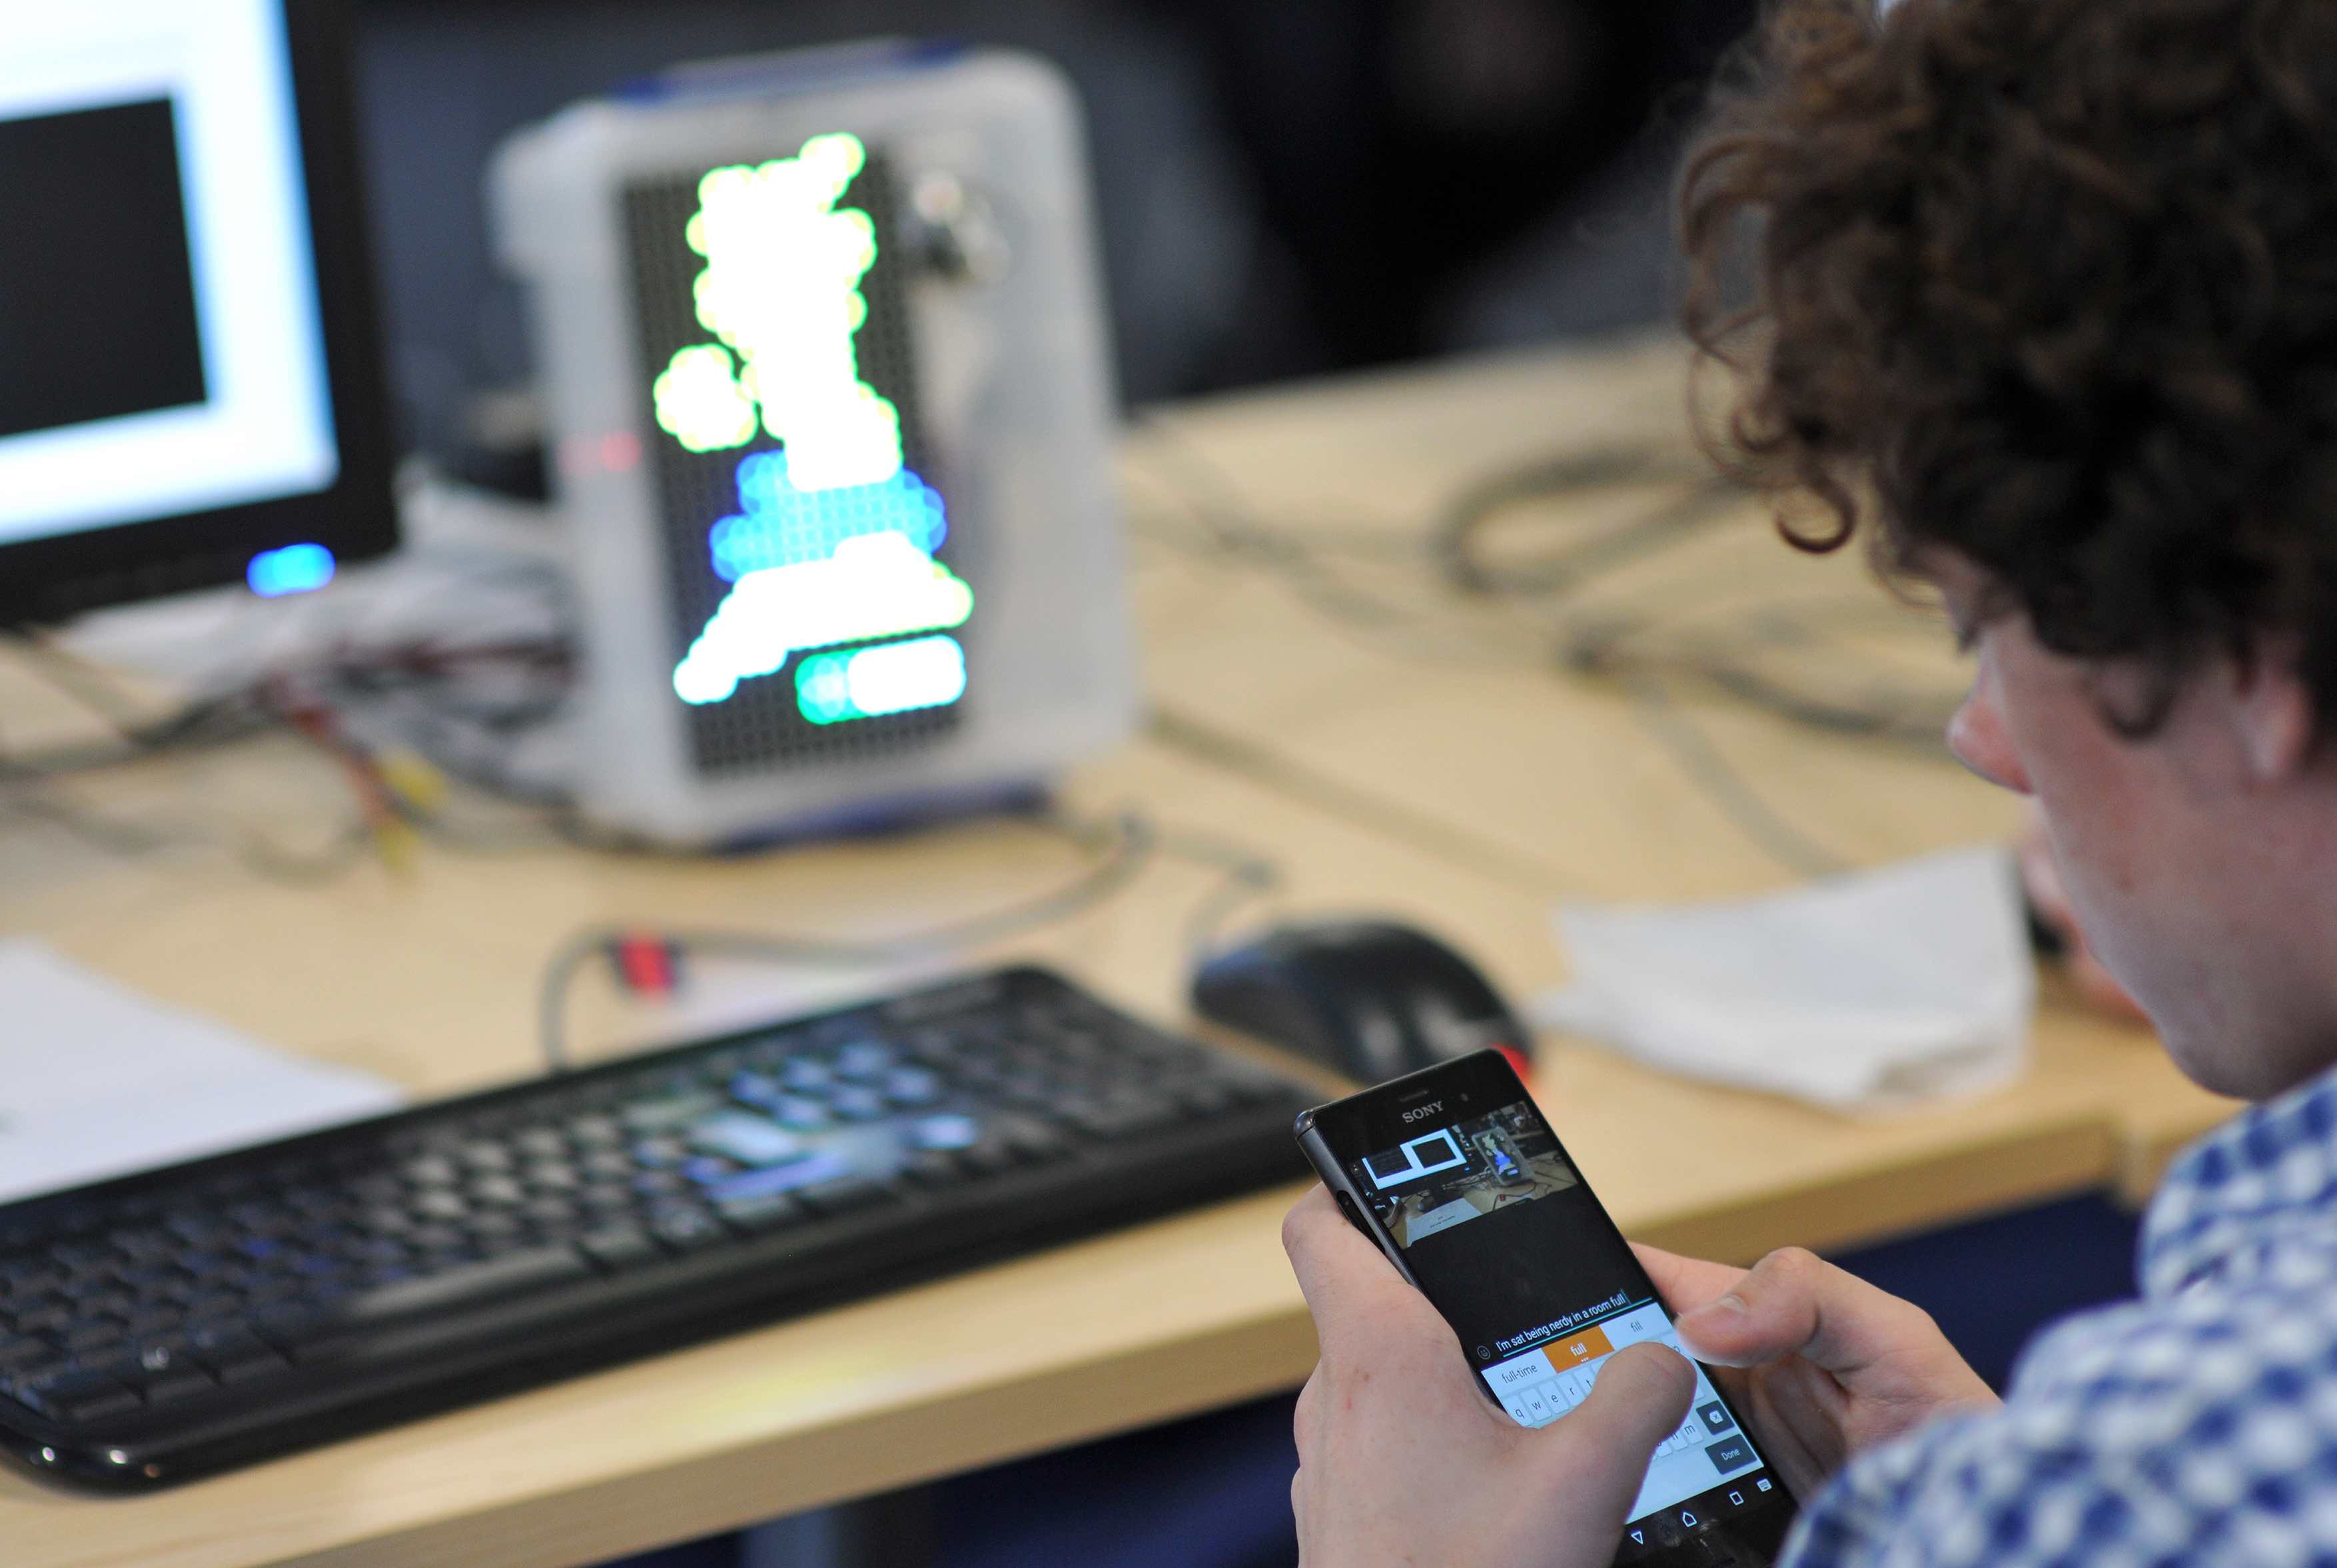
{"type": "Point", "coordinates": [2051, 283]}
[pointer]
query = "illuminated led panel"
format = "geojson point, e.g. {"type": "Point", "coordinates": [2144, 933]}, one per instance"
{"type": "Point", "coordinates": [834, 537]}
{"type": "Point", "coordinates": [892, 677]}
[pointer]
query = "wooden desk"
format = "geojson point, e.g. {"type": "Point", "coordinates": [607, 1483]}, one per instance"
{"type": "Point", "coordinates": [430, 979]}
{"type": "Point", "coordinates": [1355, 676]}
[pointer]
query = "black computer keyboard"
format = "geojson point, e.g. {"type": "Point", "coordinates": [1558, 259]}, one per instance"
{"type": "Point", "coordinates": [187, 1319]}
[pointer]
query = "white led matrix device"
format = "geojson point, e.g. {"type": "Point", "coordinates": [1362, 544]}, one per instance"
{"type": "Point", "coordinates": [822, 350]}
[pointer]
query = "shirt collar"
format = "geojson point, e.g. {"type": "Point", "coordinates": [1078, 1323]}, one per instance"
{"type": "Point", "coordinates": [2232, 1199]}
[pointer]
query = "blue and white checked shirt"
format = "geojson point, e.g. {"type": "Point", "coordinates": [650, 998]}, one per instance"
{"type": "Point", "coordinates": [2195, 1427]}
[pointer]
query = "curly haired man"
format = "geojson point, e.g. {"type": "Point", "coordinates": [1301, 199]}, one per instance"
{"type": "Point", "coordinates": [2039, 298]}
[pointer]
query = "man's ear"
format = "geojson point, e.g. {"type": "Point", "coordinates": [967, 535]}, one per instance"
{"type": "Point", "coordinates": [2272, 708]}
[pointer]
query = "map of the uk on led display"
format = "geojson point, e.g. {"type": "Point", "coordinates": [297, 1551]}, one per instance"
{"type": "Point", "coordinates": [834, 539]}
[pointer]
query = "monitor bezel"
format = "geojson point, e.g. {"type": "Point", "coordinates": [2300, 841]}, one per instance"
{"type": "Point", "coordinates": [49, 580]}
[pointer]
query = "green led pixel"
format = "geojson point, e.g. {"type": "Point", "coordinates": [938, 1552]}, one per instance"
{"type": "Point", "coordinates": [892, 677]}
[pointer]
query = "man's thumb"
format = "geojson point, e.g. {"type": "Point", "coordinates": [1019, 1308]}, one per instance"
{"type": "Point", "coordinates": [1640, 1397]}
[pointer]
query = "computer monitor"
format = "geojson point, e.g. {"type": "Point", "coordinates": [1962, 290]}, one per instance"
{"type": "Point", "coordinates": [190, 372]}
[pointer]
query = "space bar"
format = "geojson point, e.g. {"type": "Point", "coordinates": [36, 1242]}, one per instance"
{"type": "Point", "coordinates": [307, 1333]}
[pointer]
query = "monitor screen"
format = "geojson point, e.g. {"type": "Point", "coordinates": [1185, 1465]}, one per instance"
{"type": "Point", "coordinates": [164, 344]}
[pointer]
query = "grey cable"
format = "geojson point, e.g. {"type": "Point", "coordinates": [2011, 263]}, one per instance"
{"type": "Point", "coordinates": [1132, 844]}
{"type": "Point", "coordinates": [1720, 782]}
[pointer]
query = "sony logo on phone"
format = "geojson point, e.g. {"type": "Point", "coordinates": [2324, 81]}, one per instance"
{"type": "Point", "coordinates": [1429, 1109]}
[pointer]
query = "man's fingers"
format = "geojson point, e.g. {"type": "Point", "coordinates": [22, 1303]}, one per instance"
{"type": "Point", "coordinates": [1793, 1304]}
{"type": "Point", "coordinates": [1638, 1398]}
{"type": "Point", "coordinates": [1685, 1284]}
{"type": "Point", "coordinates": [1346, 1282]}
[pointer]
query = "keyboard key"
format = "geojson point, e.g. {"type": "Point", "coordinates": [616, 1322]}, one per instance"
{"type": "Point", "coordinates": [656, 1153]}
{"type": "Point", "coordinates": [864, 1060]}
{"type": "Point", "coordinates": [514, 1273]}
{"type": "Point", "coordinates": [553, 1213]}
{"type": "Point", "coordinates": [231, 1353]}
{"type": "Point", "coordinates": [1127, 1118]}
{"type": "Point", "coordinates": [685, 1229]}
{"type": "Point", "coordinates": [950, 1131]}
{"type": "Point", "coordinates": [620, 1246]}
{"type": "Point", "coordinates": [801, 1113]}
{"type": "Point", "coordinates": [1249, 1086]}
{"type": "Point", "coordinates": [433, 1171]}
{"type": "Point", "coordinates": [754, 1216]}
{"type": "Point", "coordinates": [844, 1197]}
{"type": "Point", "coordinates": [988, 1158]}
{"type": "Point", "coordinates": [912, 1086]}
{"type": "Point", "coordinates": [92, 1332]}
{"type": "Point", "coordinates": [174, 1388]}
{"type": "Point", "coordinates": [1733, 1453]}
{"type": "Point", "coordinates": [607, 1164]}
{"type": "Point", "coordinates": [147, 1245]}
{"type": "Point", "coordinates": [747, 1138]}
{"type": "Point", "coordinates": [596, 1133]}
{"type": "Point", "coordinates": [214, 1304]}
{"type": "Point", "coordinates": [933, 1169]}
{"type": "Point", "coordinates": [154, 1319]}
{"type": "Point", "coordinates": [857, 1104]}
{"type": "Point", "coordinates": [1034, 1140]}
{"type": "Point", "coordinates": [668, 1115]}
{"type": "Point", "coordinates": [1207, 1100]}
{"type": "Point", "coordinates": [44, 1320]}
{"type": "Point", "coordinates": [77, 1396]}
{"type": "Point", "coordinates": [18, 1353]}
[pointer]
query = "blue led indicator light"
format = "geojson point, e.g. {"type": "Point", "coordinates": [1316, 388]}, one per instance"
{"type": "Point", "coordinates": [295, 568]}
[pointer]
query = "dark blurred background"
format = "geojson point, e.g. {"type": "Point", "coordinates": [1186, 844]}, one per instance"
{"type": "Point", "coordinates": [1285, 188]}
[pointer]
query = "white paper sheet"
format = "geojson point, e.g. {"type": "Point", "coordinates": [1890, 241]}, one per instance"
{"type": "Point", "coordinates": [1865, 991]}
{"type": "Point", "coordinates": [97, 1081]}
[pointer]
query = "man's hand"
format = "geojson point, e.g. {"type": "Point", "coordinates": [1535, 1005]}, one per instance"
{"type": "Point", "coordinates": [1827, 1365]}
{"type": "Point", "coordinates": [1404, 1463]}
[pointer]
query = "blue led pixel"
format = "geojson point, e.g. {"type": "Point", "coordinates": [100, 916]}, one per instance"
{"type": "Point", "coordinates": [783, 526]}
{"type": "Point", "coordinates": [295, 568]}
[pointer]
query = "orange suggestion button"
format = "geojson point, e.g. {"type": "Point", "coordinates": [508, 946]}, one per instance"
{"type": "Point", "coordinates": [1587, 1346]}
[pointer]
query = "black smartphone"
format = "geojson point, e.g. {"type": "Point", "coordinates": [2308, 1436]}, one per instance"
{"type": "Point", "coordinates": [1453, 1174]}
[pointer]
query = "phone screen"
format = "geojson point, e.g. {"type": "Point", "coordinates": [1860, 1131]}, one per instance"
{"type": "Point", "coordinates": [1494, 1225]}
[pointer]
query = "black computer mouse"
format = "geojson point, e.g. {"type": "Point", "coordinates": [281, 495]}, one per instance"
{"type": "Point", "coordinates": [1369, 998]}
